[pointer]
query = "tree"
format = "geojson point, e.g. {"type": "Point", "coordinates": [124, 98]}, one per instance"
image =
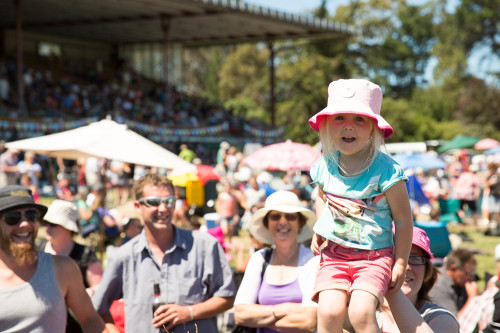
{"type": "Point", "coordinates": [244, 76]}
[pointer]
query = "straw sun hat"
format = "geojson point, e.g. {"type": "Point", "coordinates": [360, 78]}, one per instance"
{"type": "Point", "coordinates": [286, 202]}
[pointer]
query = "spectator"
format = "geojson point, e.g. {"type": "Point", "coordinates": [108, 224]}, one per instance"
{"type": "Point", "coordinates": [227, 208]}
{"type": "Point", "coordinates": [278, 298]}
{"type": "Point", "coordinates": [121, 174]}
{"type": "Point", "coordinates": [222, 152]}
{"type": "Point", "coordinates": [467, 188]}
{"type": "Point", "coordinates": [61, 227]}
{"type": "Point", "coordinates": [29, 167]}
{"type": "Point", "coordinates": [131, 228]}
{"type": "Point", "coordinates": [255, 198]}
{"type": "Point", "coordinates": [9, 171]}
{"type": "Point", "coordinates": [25, 180]}
{"type": "Point", "coordinates": [36, 285]}
{"type": "Point", "coordinates": [62, 189]}
{"type": "Point", "coordinates": [186, 153]}
{"type": "Point", "coordinates": [170, 255]}
{"type": "Point", "coordinates": [410, 310]}
{"type": "Point", "coordinates": [456, 285]}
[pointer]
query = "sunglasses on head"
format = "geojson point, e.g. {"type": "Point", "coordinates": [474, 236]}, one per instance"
{"type": "Point", "coordinates": [278, 216]}
{"type": "Point", "coordinates": [15, 217]}
{"type": "Point", "coordinates": [156, 202]}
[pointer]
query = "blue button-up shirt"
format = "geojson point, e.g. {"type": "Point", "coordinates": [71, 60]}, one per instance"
{"type": "Point", "coordinates": [193, 270]}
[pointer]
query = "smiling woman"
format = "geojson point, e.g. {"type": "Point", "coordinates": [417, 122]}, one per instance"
{"type": "Point", "coordinates": [410, 309]}
{"type": "Point", "coordinates": [275, 293]}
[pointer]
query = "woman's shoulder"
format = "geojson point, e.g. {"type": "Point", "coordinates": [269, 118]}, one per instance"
{"type": "Point", "coordinates": [429, 311]}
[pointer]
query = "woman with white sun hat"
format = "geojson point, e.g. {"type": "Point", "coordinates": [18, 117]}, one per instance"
{"type": "Point", "coordinates": [275, 293]}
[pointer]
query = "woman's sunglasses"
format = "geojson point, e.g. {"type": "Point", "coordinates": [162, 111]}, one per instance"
{"type": "Point", "coordinates": [417, 260]}
{"type": "Point", "coordinates": [278, 216]}
{"type": "Point", "coordinates": [16, 217]}
{"type": "Point", "coordinates": [156, 202]}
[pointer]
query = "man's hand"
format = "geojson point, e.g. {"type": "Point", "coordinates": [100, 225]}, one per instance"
{"type": "Point", "coordinates": [471, 288]}
{"type": "Point", "coordinates": [170, 315]}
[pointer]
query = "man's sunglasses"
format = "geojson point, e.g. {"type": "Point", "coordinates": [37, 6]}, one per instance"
{"type": "Point", "coordinates": [156, 202]}
{"type": "Point", "coordinates": [15, 217]}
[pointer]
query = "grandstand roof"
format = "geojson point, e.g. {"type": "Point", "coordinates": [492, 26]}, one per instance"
{"type": "Point", "coordinates": [192, 22]}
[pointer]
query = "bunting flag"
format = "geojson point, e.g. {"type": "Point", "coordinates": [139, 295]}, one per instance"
{"type": "Point", "coordinates": [59, 126]}
{"type": "Point", "coordinates": [264, 134]}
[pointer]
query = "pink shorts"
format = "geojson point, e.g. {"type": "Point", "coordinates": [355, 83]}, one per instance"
{"type": "Point", "coordinates": [348, 269]}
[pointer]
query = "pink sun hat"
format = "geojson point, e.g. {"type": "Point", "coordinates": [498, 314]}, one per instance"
{"type": "Point", "coordinates": [354, 96]}
{"type": "Point", "coordinates": [421, 240]}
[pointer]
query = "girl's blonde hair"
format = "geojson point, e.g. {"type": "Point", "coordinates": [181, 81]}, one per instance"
{"type": "Point", "coordinates": [329, 149]}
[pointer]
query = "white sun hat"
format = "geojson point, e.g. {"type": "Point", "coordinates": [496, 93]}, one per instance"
{"type": "Point", "coordinates": [286, 202]}
{"type": "Point", "coordinates": [63, 213]}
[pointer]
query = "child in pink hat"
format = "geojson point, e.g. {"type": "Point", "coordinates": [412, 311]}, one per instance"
{"type": "Point", "coordinates": [362, 191]}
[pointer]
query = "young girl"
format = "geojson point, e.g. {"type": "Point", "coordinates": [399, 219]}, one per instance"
{"type": "Point", "coordinates": [362, 191]}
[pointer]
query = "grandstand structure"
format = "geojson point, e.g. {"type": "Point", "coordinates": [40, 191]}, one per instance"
{"type": "Point", "coordinates": [150, 33]}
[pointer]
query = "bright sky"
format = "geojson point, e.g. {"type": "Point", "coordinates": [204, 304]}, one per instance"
{"type": "Point", "coordinates": [480, 62]}
{"type": "Point", "coordinates": [298, 6]}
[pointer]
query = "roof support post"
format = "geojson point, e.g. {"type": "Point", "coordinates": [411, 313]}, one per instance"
{"type": "Point", "coordinates": [272, 99]}
{"type": "Point", "coordinates": [19, 52]}
{"type": "Point", "coordinates": [165, 26]}
{"type": "Point", "coordinates": [2, 43]}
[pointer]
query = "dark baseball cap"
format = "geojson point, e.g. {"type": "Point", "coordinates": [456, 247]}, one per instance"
{"type": "Point", "coordinates": [17, 196]}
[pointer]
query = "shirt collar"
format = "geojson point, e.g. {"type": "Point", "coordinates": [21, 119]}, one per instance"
{"type": "Point", "coordinates": [179, 241]}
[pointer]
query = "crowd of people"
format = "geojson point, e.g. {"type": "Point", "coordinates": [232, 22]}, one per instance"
{"type": "Point", "coordinates": [333, 249]}
{"type": "Point", "coordinates": [52, 92]}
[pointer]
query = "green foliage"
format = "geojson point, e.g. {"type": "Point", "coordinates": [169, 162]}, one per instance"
{"type": "Point", "coordinates": [245, 74]}
{"type": "Point", "coordinates": [247, 108]}
{"type": "Point", "coordinates": [398, 42]}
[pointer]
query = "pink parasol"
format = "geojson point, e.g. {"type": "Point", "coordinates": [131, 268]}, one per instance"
{"type": "Point", "coordinates": [283, 156]}
{"type": "Point", "coordinates": [485, 144]}
{"type": "Point", "coordinates": [206, 173]}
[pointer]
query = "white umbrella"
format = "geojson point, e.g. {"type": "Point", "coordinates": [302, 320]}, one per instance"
{"type": "Point", "coordinates": [105, 139]}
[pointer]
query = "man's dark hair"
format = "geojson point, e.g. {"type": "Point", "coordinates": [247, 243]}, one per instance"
{"type": "Point", "coordinates": [459, 257]}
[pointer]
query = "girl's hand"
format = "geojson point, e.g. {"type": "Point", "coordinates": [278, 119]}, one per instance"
{"type": "Point", "coordinates": [398, 277]}
{"type": "Point", "coordinates": [316, 243]}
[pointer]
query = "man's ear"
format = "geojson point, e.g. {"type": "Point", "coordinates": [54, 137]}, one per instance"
{"type": "Point", "coordinates": [137, 206]}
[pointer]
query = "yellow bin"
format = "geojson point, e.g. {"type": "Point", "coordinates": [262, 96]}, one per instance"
{"type": "Point", "coordinates": [192, 188]}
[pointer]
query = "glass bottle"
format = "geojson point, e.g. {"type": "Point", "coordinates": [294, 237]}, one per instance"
{"type": "Point", "coordinates": [157, 300]}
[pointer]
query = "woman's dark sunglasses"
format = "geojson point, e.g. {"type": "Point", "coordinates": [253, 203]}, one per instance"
{"type": "Point", "coordinates": [417, 260]}
{"type": "Point", "coordinates": [15, 217]}
{"type": "Point", "coordinates": [288, 217]}
{"type": "Point", "coordinates": [155, 202]}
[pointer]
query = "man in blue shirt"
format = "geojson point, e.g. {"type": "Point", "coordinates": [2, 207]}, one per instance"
{"type": "Point", "coordinates": [195, 278]}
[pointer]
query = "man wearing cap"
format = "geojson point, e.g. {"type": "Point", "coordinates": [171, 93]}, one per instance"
{"type": "Point", "coordinates": [36, 286]}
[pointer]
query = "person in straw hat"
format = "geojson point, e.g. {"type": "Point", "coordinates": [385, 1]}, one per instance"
{"type": "Point", "coordinates": [275, 293]}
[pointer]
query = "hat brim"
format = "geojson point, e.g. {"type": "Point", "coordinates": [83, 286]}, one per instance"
{"type": "Point", "coordinates": [262, 234]}
{"type": "Point", "coordinates": [40, 208]}
{"type": "Point", "coordinates": [316, 120]}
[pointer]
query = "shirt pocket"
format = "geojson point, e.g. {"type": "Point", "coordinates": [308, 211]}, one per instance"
{"type": "Point", "coordinates": [191, 290]}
